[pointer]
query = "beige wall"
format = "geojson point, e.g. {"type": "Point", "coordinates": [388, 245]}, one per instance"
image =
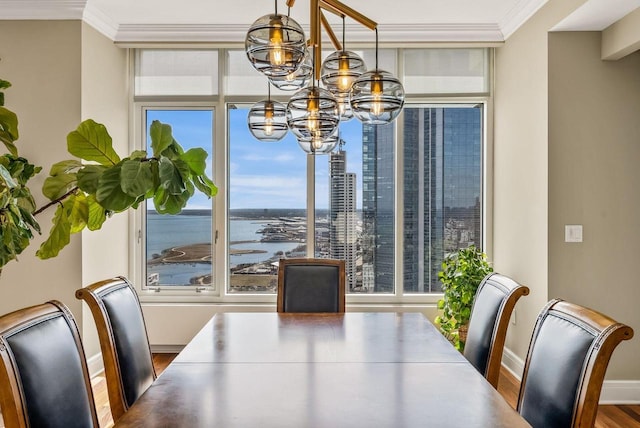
{"type": "Point", "coordinates": [105, 99]}
{"type": "Point", "coordinates": [520, 172]}
{"type": "Point", "coordinates": [42, 61]}
{"type": "Point", "coordinates": [63, 72]}
{"type": "Point", "coordinates": [594, 152]}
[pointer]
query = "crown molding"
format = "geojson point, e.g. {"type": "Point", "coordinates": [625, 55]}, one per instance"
{"type": "Point", "coordinates": [37, 9]}
{"type": "Point", "coordinates": [517, 16]}
{"type": "Point", "coordinates": [101, 22]}
{"type": "Point", "coordinates": [235, 33]}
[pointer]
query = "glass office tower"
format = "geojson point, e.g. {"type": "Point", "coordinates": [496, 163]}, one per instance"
{"type": "Point", "coordinates": [378, 216]}
{"type": "Point", "coordinates": [442, 184]}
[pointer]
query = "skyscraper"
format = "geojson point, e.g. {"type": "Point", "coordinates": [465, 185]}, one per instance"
{"type": "Point", "coordinates": [378, 181]}
{"type": "Point", "coordinates": [442, 177]}
{"type": "Point", "coordinates": [342, 215]}
{"type": "Point", "coordinates": [441, 194]}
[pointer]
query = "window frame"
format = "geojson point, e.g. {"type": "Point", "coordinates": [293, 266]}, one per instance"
{"type": "Point", "coordinates": [220, 206]}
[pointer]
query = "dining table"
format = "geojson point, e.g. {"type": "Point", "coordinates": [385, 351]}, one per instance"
{"type": "Point", "coordinates": [353, 369]}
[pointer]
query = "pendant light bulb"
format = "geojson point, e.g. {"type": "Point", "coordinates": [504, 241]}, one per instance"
{"type": "Point", "coordinates": [268, 120]}
{"type": "Point", "coordinates": [344, 80]}
{"type": "Point", "coordinates": [276, 54]}
{"type": "Point", "coordinates": [376, 94]}
{"type": "Point", "coordinates": [312, 120]}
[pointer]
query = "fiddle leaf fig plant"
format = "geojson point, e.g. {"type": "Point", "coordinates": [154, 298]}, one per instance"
{"type": "Point", "coordinates": [461, 274]}
{"type": "Point", "coordinates": [16, 201]}
{"type": "Point", "coordinates": [88, 190]}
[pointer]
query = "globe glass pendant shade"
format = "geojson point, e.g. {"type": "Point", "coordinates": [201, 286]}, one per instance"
{"type": "Point", "coordinates": [296, 80]}
{"type": "Point", "coordinates": [312, 113]}
{"type": "Point", "coordinates": [275, 45]}
{"type": "Point", "coordinates": [267, 121]}
{"type": "Point", "coordinates": [320, 147]}
{"type": "Point", "coordinates": [377, 97]}
{"type": "Point", "coordinates": [340, 70]}
{"type": "Point", "coordinates": [344, 107]}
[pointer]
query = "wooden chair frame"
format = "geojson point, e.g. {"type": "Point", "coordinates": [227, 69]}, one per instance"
{"type": "Point", "coordinates": [12, 399]}
{"type": "Point", "coordinates": [316, 262]}
{"type": "Point", "coordinates": [512, 292]}
{"type": "Point", "coordinates": [91, 295]}
{"type": "Point", "coordinates": [609, 334]}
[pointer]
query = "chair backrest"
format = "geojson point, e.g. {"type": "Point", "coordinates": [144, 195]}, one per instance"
{"type": "Point", "coordinates": [567, 359]}
{"type": "Point", "coordinates": [311, 285]}
{"type": "Point", "coordinates": [128, 362]}
{"type": "Point", "coordinates": [492, 307]}
{"type": "Point", "coordinates": [44, 380]}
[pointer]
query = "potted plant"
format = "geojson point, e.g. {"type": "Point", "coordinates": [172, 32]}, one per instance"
{"type": "Point", "coordinates": [89, 189]}
{"type": "Point", "coordinates": [461, 274]}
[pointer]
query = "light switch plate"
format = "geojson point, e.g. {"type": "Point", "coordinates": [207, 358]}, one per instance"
{"type": "Point", "coordinates": [572, 233]}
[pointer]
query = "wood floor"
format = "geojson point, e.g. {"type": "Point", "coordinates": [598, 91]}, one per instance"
{"type": "Point", "coordinates": [608, 416]}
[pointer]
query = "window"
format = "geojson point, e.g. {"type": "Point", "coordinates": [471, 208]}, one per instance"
{"type": "Point", "coordinates": [267, 206]}
{"type": "Point", "coordinates": [178, 247]}
{"type": "Point", "coordinates": [442, 182]}
{"type": "Point", "coordinates": [391, 200]}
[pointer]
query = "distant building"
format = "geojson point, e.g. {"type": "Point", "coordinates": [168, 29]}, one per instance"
{"type": "Point", "coordinates": [378, 210]}
{"type": "Point", "coordinates": [441, 182]}
{"type": "Point", "coordinates": [343, 218]}
{"type": "Point", "coordinates": [442, 176]}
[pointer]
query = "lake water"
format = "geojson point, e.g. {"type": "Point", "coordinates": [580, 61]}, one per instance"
{"type": "Point", "coordinates": [165, 231]}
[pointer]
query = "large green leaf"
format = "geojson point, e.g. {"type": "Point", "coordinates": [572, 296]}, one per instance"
{"type": "Point", "coordinates": [4, 84]}
{"type": "Point", "coordinates": [167, 203]}
{"type": "Point", "coordinates": [97, 214]}
{"type": "Point", "coordinates": [136, 177]}
{"type": "Point", "coordinates": [170, 178]}
{"type": "Point", "coordinates": [161, 137]}
{"type": "Point", "coordinates": [196, 158]}
{"type": "Point", "coordinates": [89, 176]}
{"type": "Point", "coordinates": [5, 175]}
{"type": "Point", "coordinates": [8, 143]}
{"type": "Point", "coordinates": [56, 186]}
{"type": "Point", "coordinates": [64, 167]}
{"type": "Point", "coordinates": [138, 154]}
{"type": "Point", "coordinates": [110, 194]}
{"type": "Point", "coordinates": [78, 213]}
{"type": "Point", "coordinates": [59, 236]}
{"type": "Point", "coordinates": [92, 142]}
{"type": "Point", "coordinates": [205, 185]}
{"type": "Point", "coordinates": [9, 123]}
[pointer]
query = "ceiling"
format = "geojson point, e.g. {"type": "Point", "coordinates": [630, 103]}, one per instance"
{"type": "Point", "coordinates": [227, 21]}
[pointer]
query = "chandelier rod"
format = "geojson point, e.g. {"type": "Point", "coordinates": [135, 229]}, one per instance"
{"type": "Point", "coordinates": [318, 20]}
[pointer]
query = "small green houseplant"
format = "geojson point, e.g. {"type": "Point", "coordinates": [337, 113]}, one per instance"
{"type": "Point", "coordinates": [461, 274]}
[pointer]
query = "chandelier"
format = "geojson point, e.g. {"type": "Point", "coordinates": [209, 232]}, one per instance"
{"type": "Point", "coordinates": [277, 47]}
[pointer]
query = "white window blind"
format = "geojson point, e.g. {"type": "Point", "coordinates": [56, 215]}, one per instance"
{"type": "Point", "coordinates": [176, 72]}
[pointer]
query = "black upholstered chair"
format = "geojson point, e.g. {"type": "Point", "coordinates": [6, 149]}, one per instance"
{"type": "Point", "coordinates": [492, 307]}
{"type": "Point", "coordinates": [311, 285]}
{"type": "Point", "coordinates": [128, 363]}
{"type": "Point", "coordinates": [44, 380]}
{"type": "Point", "coordinates": [567, 359]}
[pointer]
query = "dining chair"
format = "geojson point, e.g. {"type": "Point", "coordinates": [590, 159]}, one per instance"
{"type": "Point", "coordinates": [44, 379]}
{"type": "Point", "coordinates": [490, 314]}
{"type": "Point", "coordinates": [128, 362]}
{"type": "Point", "coordinates": [311, 285]}
{"type": "Point", "coordinates": [566, 362]}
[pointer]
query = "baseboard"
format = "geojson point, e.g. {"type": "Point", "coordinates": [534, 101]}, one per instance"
{"type": "Point", "coordinates": [95, 365]}
{"type": "Point", "coordinates": [166, 349]}
{"type": "Point", "coordinates": [613, 391]}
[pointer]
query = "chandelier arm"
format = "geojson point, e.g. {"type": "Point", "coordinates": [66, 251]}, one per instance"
{"type": "Point", "coordinates": [327, 27]}
{"type": "Point", "coordinates": [333, 5]}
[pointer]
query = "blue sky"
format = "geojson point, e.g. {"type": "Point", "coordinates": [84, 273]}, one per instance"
{"type": "Point", "coordinates": [262, 175]}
